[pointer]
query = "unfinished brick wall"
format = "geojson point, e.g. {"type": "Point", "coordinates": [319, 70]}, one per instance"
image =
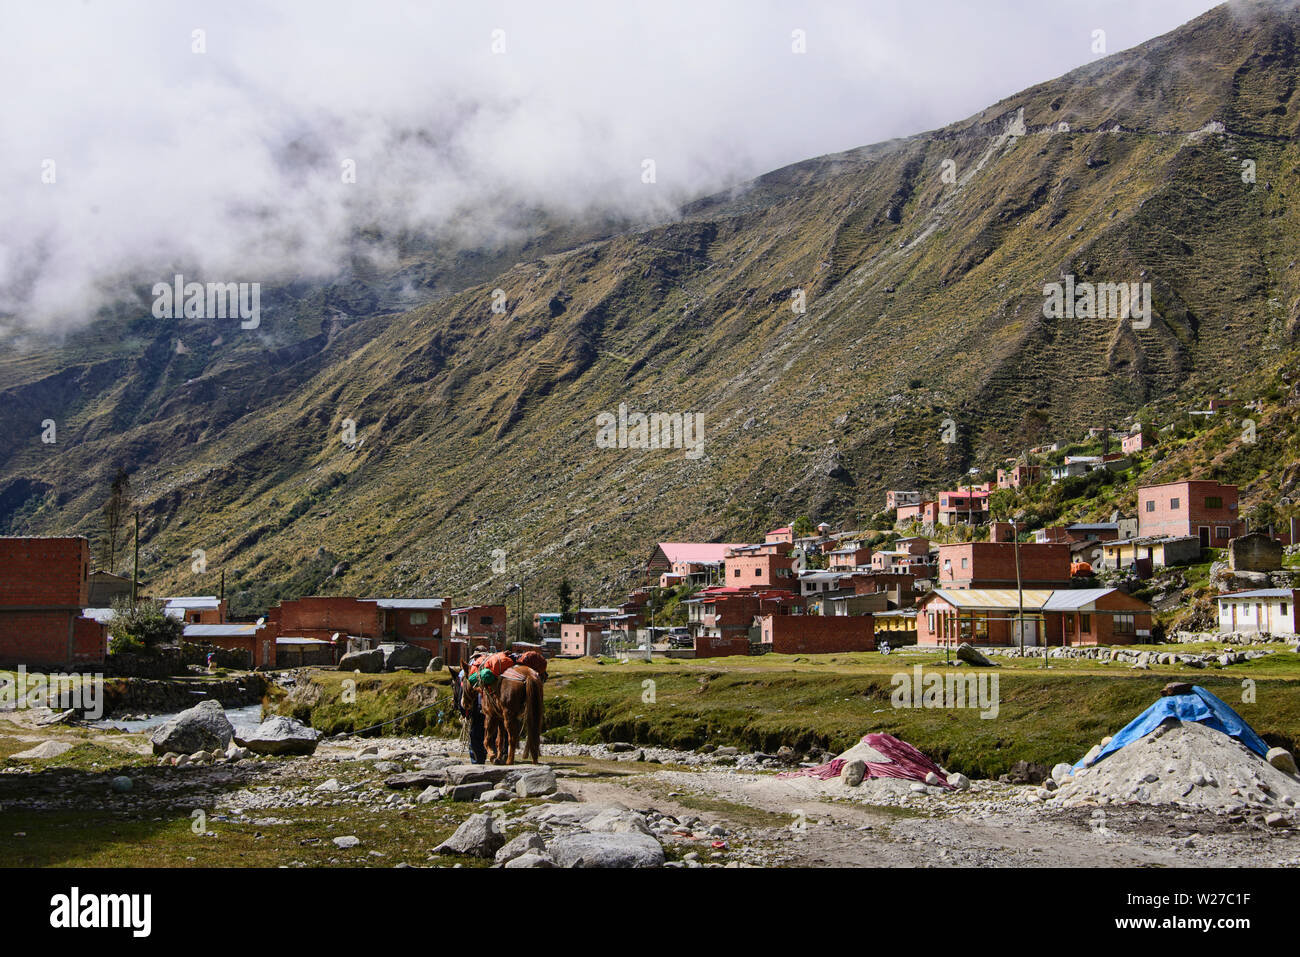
{"type": "Point", "coordinates": [818, 634]}
{"type": "Point", "coordinates": [44, 572]}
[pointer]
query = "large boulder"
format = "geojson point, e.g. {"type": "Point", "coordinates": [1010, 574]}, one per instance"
{"type": "Point", "coordinates": [204, 727]}
{"type": "Point", "coordinates": [477, 837]}
{"type": "Point", "coordinates": [402, 655]}
{"type": "Point", "coordinates": [968, 654]}
{"type": "Point", "coordinates": [367, 662]}
{"type": "Point", "coordinates": [281, 735]}
{"type": "Point", "coordinates": [626, 849]}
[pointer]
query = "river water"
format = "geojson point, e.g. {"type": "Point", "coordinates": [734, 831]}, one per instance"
{"type": "Point", "coordinates": [245, 718]}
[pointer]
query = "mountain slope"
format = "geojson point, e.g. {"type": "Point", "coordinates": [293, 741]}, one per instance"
{"type": "Point", "coordinates": [924, 299]}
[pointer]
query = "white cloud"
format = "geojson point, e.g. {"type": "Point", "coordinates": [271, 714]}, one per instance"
{"type": "Point", "coordinates": [228, 162]}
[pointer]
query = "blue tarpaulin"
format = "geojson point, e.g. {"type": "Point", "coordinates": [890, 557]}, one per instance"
{"type": "Point", "coordinates": [1200, 706]}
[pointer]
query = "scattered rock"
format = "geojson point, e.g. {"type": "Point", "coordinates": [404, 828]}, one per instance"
{"type": "Point", "coordinates": [1282, 759]}
{"type": "Point", "coordinates": [281, 735]}
{"type": "Point", "coordinates": [519, 846]}
{"type": "Point", "coordinates": [586, 849]}
{"type": "Point", "coordinates": [477, 837]}
{"type": "Point", "coordinates": [204, 727]}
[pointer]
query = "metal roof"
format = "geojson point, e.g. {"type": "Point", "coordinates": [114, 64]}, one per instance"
{"type": "Point", "coordinates": [228, 630]}
{"type": "Point", "coordinates": [301, 641]}
{"type": "Point", "coordinates": [1257, 593]}
{"type": "Point", "coordinates": [1074, 599]}
{"type": "Point", "coordinates": [193, 601]}
{"type": "Point", "coordinates": [407, 602]}
{"type": "Point", "coordinates": [1033, 598]}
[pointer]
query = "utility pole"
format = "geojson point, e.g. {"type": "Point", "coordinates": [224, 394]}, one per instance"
{"type": "Point", "coordinates": [135, 575]}
{"type": "Point", "coordinates": [1020, 594]}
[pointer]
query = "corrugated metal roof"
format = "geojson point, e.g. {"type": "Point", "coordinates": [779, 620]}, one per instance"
{"type": "Point", "coordinates": [1074, 599]}
{"type": "Point", "coordinates": [228, 630]}
{"type": "Point", "coordinates": [1033, 598]}
{"type": "Point", "coordinates": [699, 552]}
{"type": "Point", "coordinates": [1257, 593]}
{"type": "Point", "coordinates": [193, 601]}
{"type": "Point", "coordinates": [407, 602]}
{"type": "Point", "coordinates": [301, 641]}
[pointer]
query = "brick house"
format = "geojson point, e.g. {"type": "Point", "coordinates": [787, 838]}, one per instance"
{"type": "Point", "coordinates": [853, 557]}
{"type": "Point", "coordinates": [896, 500]}
{"type": "Point", "coordinates": [780, 536]}
{"type": "Point", "coordinates": [417, 621]}
{"type": "Point", "coordinates": [964, 507]}
{"type": "Point", "coordinates": [1136, 442]}
{"type": "Point", "coordinates": [760, 569]}
{"type": "Point", "coordinates": [698, 563]}
{"type": "Point", "coordinates": [1202, 509]}
{"type": "Point", "coordinates": [993, 565]}
{"type": "Point", "coordinates": [582, 638]}
{"type": "Point", "coordinates": [815, 634]}
{"type": "Point", "coordinates": [44, 587]}
{"type": "Point", "coordinates": [1086, 616]}
{"type": "Point", "coordinates": [1019, 476]}
{"type": "Point", "coordinates": [927, 513]}
{"type": "Point", "coordinates": [720, 619]}
{"type": "Point", "coordinates": [479, 625]}
{"type": "Point", "coordinates": [243, 637]}
{"type": "Point", "coordinates": [196, 609]}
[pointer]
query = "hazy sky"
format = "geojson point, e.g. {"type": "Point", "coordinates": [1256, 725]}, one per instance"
{"type": "Point", "coordinates": [231, 160]}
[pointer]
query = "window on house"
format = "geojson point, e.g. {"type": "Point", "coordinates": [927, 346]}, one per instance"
{"type": "Point", "coordinates": [1284, 608]}
{"type": "Point", "coordinates": [1085, 624]}
{"type": "Point", "coordinates": [1221, 531]}
{"type": "Point", "coordinates": [1213, 501]}
{"type": "Point", "coordinates": [1124, 624]}
{"type": "Point", "coordinates": [485, 620]}
{"type": "Point", "coordinates": [1173, 503]}
{"type": "Point", "coordinates": [1151, 505]}
{"type": "Point", "coordinates": [931, 622]}
{"type": "Point", "coordinates": [735, 573]}
{"type": "Point", "coordinates": [419, 617]}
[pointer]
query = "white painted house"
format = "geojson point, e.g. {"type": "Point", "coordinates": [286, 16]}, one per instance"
{"type": "Point", "coordinates": [1266, 610]}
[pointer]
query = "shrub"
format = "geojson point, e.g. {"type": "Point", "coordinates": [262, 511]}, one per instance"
{"type": "Point", "coordinates": [144, 624]}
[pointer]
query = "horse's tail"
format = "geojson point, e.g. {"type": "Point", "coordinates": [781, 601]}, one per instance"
{"type": "Point", "coordinates": [534, 746]}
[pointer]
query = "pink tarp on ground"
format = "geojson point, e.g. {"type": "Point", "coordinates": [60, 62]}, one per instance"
{"type": "Point", "coordinates": [904, 762]}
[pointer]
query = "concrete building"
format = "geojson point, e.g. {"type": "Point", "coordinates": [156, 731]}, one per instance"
{"type": "Point", "coordinates": [1264, 610]}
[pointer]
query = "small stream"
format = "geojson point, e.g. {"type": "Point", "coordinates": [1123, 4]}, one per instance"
{"type": "Point", "coordinates": [243, 718]}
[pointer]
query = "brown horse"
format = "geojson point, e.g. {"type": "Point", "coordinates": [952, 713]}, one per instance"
{"type": "Point", "coordinates": [505, 704]}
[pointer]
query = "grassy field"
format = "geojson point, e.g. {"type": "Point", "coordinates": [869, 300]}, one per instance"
{"type": "Point", "coordinates": [1043, 714]}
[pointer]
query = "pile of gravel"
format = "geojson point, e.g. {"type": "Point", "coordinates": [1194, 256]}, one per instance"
{"type": "Point", "coordinates": [1187, 764]}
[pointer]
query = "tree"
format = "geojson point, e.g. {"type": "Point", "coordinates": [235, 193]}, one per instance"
{"type": "Point", "coordinates": [117, 510]}
{"type": "Point", "coordinates": [565, 594]}
{"type": "Point", "coordinates": [145, 624]}
{"type": "Point", "coordinates": [803, 528]}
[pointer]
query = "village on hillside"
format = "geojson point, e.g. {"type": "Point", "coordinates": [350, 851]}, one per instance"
{"type": "Point", "coordinates": [953, 570]}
